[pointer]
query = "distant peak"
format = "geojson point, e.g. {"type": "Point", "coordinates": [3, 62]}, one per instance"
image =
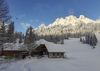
{"type": "Point", "coordinates": [57, 19]}
{"type": "Point", "coordinates": [82, 17]}
{"type": "Point", "coordinates": [61, 18]}
{"type": "Point", "coordinates": [71, 16]}
{"type": "Point", "coordinates": [42, 25]}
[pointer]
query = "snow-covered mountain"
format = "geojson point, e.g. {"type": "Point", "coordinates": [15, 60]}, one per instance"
{"type": "Point", "coordinates": [72, 20]}
{"type": "Point", "coordinates": [70, 24]}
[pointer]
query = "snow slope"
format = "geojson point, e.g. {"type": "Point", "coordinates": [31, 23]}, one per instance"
{"type": "Point", "coordinates": [81, 57]}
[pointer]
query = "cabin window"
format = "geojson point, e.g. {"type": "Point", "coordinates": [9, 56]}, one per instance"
{"type": "Point", "coordinates": [57, 54]}
{"type": "Point", "coordinates": [61, 54]}
{"type": "Point", "coordinates": [53, 54]}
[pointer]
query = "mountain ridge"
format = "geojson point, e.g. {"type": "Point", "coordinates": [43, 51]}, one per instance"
{"type": "Point", "coordinates": [70, 20]}
{"type": "Point", "coordinates": [70, 24]}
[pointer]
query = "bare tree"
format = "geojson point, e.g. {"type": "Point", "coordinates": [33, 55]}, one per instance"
{"type": "Point", "coordinates": [4, 11]}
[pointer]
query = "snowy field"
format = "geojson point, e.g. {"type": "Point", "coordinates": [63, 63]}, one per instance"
{"type": "Point", "coordinates": [81, 57]}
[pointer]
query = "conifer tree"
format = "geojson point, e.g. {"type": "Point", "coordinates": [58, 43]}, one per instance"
{"type": "Point", "coordinates": [20, 39]}
{"type": "Point", "coordinates": [11, 32]}
{"type": "Point", "coordinates": [80, 39]}
{"type": "Point", "coordinates": [30, 39]}
{"type": "Point", "coordinates": [2, 34]}
{"type": "Point", "coordinates": [62, 41]}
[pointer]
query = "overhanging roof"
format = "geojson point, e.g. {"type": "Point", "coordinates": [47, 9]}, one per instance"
{"type": "Point", "coordinates": [51, 47]}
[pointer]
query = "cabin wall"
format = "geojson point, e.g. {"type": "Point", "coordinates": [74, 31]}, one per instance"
{"type": "Point", "coordinates": [11, 53]}
{"type": "Point", "coordinates": [56, 55]}
{"type": "Point", "coordinates": [0, 52]}
{"type": "Point", "coordinates": [40, 50]}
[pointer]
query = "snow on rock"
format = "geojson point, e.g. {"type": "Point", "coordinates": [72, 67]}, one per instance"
{"type": "Point", "coordinates": [70, 24]}
{"type": "Point", "coordinates": [98, 21]}
{"type": "Point", "coordinates": [85, 20]}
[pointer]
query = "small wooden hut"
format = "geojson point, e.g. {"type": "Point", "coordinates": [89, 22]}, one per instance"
{"type": "Point", "coordinates": [51, 49]}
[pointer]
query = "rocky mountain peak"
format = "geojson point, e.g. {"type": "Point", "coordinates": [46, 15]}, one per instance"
{"type": "Point", "coordinates": [42, 26]}
{"type": "Point", "coordinates": [69, 24]}
{"type": "Point", "coordinates": [82, 17]}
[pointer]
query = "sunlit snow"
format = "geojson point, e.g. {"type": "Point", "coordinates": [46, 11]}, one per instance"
{"type": "Point", "coordinates": [80, 57]}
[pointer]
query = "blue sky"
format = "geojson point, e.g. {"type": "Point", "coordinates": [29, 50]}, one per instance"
{"type": "Point", "coordinates": [37, 12]}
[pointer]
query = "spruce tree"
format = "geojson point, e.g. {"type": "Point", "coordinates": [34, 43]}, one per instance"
{"type": "Point", "coordinates": [11, 32]}
{"type": "Point", "coordinates": [2, 36]}
{"type": "Point", "coordinates": [62, 41]}
{"type": "Point", "coordinates": [20, 39]}
{"type": "Point", "coordinates": [30, 39]}
{"type": "Point", "coordinates": [80, 39]}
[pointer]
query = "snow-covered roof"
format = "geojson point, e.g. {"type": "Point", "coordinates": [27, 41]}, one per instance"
{"type": "Point", "coordinates": [12, 46]}
{"type": "Point", "coordinates": [51, 47]}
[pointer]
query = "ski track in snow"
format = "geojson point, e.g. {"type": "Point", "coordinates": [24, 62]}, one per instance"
{"type": "Point", "coordinates": [25, 67]}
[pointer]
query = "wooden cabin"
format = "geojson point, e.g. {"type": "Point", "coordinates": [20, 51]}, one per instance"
{"type": "Point", "coordinates": [40, 50]}
{"type": "Point", "coordinates": [50, 49]}
{"type": "Point", "coordinates": [12, 52]}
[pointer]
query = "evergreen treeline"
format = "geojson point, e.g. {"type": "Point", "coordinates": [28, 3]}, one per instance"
{"type": "Point", "coordinates": [30, 36]}
{"type": "Point", "coordinates": [7, 34]}
{"type": "Point", "coordinates": [58, 38]}
{"type": "Point", "coordinates": [20, 36]}
{"type": "Point", "coordinates": [52, 38]}
{"type": "Point", "coordinates": [89, 39]}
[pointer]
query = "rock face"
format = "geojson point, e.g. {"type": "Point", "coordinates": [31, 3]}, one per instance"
{"type": "Point", "coordinates": [70, 24]}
